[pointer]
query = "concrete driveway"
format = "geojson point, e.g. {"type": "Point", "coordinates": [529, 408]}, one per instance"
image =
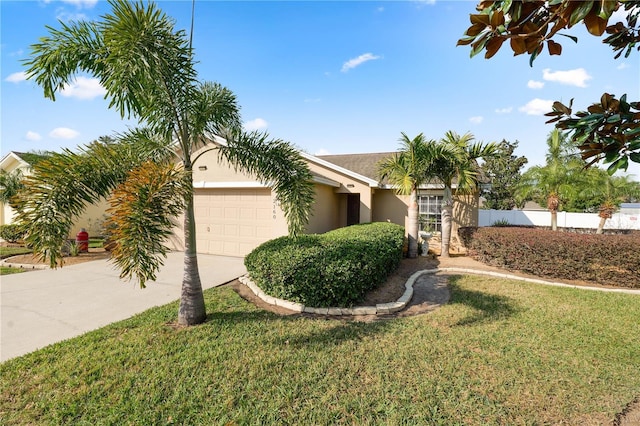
{"type": "Point", "coordinates": [42, 307]}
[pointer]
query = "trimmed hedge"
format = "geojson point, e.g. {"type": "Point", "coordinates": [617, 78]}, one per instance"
{"type": "Point", "coordinates": [11, 233]}
{"type": "Point", "coordinates": [603, 259]}
{"type": "Point", "coordinates": [333, 269]}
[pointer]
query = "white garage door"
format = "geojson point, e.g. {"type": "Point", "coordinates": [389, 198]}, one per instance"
{"type": "Point", "coordinates": [232, 222]}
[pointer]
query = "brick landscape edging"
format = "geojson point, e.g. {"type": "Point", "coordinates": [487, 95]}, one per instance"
{"type": "Point", "coordinates": [403, 301]}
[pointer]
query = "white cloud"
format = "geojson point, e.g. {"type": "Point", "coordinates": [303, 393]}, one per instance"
{"type": "Point", "coordinates": [322, 151]}
{"type": "Point", "coordinates": [64, 16]}
{"type": "Point", "coordinates": [83, 88]}
{"type": "Point", "coordinates": [16, 77]}
{"type": "Point", "coordinates": [504, 110]}
{"type": "Point", "coordinates": [622, 66]}
{"type": "Point", "coordinates": [32, 136]}
{"type": "Point", "coordinates": [532, 84]}
{"type": "Point", "coordinates": [352, 63]}
{"type": "Point", "coordinates": [537, 107]}
{"type": "Point", "coordinates": [63, 133]}
{"type": "Point", "coordinates": [256, 124]}
{"type": "Point", "coordinates": [477, 119]}
{"type": "Point", "coordinates": [80, 4]}
{"type": "Point", "coordinates": [577, 77]}
{"type": "Point", "coordinates": [83, 3]}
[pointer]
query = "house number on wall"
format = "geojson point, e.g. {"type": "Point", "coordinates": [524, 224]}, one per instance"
{"type": "Point", "coordinates": [276, 203]}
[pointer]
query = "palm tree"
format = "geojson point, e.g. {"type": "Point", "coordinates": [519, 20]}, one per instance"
{"type": "Point", "coordinates": [555, 181]}
{"type": "Point", "coordinates": [147, 69]}
{"type": "Point", "coordinates": [458, 164]}
{"type": "Point", "coordinates": [609, 192]}
{"type": "Point", "coordinates": [407, 169]}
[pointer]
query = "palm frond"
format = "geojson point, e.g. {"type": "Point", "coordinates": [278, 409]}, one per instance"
{"type": "Point", "coordinates": [63, 185]}
{"type": "Point", "coordinates": [278, 164]}
{"type": "Point", "coordinates": [144, 64]}
{"type": "Point", "coordinates": [142, 215]}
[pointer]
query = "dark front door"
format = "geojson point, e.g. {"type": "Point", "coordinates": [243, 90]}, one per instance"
{"type": "Point", "coordinates": [353, 209]}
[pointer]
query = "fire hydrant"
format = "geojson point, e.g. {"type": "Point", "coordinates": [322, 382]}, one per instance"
{"type": "Point", "coordinates": [82, 241]}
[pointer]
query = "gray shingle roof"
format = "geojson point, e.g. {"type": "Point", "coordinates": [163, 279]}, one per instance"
{"type": "Point", "coordinates": [363, 164]}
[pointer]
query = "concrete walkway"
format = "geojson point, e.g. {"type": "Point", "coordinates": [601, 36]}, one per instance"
{"type": "Point", "coordinates": [42, 307]}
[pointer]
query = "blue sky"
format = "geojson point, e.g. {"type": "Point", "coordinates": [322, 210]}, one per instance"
{"type": "Point", "coordinates": [330, 77]}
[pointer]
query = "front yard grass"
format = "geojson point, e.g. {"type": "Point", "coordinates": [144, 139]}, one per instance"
{"type": "Point", "coordinates": [501, 352]}
{"type": "Point", "coordinates": [6, 270]}
{"type": "Point", "coordinates": [12, 251]}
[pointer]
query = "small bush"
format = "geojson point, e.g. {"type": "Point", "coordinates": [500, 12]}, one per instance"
{"type": "Point", "coordinates": [603, 259]}
{"type": "Point", "coordinates": [333, 269]}
{"type": "Point", "coordinates": [501, 222]}
{"type": "Point", "coordinates": [11, 233]}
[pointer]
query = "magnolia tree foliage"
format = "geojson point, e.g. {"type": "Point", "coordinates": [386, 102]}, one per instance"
{"type": "Point", "coordinates": [609, 130]}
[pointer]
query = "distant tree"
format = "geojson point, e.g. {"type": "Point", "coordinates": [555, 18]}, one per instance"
{"type": "Point", "coordinates": [606, 193]}
{"type": "Point", "coordinates": [609, 130]}
{"type": "Point", "coordinates": [10, 184]}
{"type": "Point", "coordinates": [553, 183]}
{"type": "Point", "coordinates": [502, 170]}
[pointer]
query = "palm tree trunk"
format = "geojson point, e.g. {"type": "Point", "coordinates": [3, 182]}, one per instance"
{"type": "Point", "coordinates": [192, 310]}
{"type": "Point", "coordinates": [553, 202]}
{"type": "Point", "coordinates": [413, 225]}
{"type": "Point", "coordinates": [446, 212]}
{"type": "Point", "coordinates": [600, 229]}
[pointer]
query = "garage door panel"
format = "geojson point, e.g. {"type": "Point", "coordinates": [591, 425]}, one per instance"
{"type": "Point", "coordinates": [215, 212]}
{"type": "Point", "coordinates": [264, 214]}
{"type": "Point", "coordinates": [233, 222]}
{"type": "Point", "coordinates": [216, 230]}
{"type": "Point", "coordinates": [246, 231]}
{"type": "Point", "coordinates": [230, 230]}
{"type": "Point", "coordinates": [247, 213]}
{"type": "Point", "coordinates": [263, 232]}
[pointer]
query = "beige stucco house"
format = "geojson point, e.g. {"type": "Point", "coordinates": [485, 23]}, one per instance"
{"type": "Point", "coordinates": [234, 213]}
{"type": "Point", "coordinates": [92, 218]}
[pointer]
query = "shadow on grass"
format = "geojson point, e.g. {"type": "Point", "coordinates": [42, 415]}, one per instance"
{"type": "Point", "coordinates": [325, 335]}
{"type": "Point", "coordinates": [298, 331]}
{"type": "Point", "coordinates": [486, 307]}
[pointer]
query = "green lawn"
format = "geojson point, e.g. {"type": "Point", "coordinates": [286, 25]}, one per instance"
{"type": "Point", "coordinates": [12, 251]}
{"type": "Point", "coordinates": [501, 352]}
{"type": "Point", "coordinates": [6, 270]}
{"type": "Point", "coordinates": [96, 242]}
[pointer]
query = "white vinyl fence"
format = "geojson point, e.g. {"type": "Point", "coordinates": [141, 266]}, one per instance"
{"type": "Point", "coordinates": [565, 220]}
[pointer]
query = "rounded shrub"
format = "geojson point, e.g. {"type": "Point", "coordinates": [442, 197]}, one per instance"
{"type": "Point", "coordinates": [333, 269]}
{"type": "Point", "coordinates": [11, 233]}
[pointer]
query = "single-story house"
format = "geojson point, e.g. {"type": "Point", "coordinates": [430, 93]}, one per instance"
{"type": "Point", "coordinates": [234, 213]}
{"type": "Point", "coordinates": [92, 219]}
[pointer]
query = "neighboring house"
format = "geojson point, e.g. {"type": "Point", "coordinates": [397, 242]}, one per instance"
{"type": "Point", "coordinates": [234, 213]}
{"type": "Point", "coordinates": [91, 220]}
